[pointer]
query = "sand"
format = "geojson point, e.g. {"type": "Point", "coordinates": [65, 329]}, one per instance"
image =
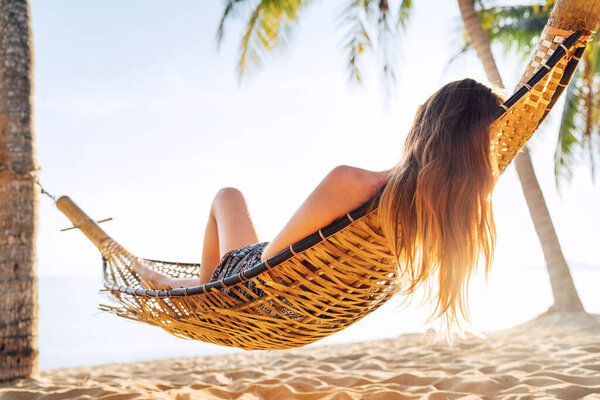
{"type": "Point", "coordinates": [553, 356]}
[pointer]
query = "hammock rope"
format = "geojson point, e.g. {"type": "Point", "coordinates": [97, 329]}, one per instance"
{"type": "Point", "coordinates": [328, 280]}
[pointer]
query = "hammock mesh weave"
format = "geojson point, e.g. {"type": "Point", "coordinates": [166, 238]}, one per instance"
{"type": "Point", "coordinates": [328, 280]}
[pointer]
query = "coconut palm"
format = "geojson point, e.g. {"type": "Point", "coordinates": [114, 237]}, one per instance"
{"type": "Point", "coordinates": [563, 289]}
{"type": "Point", "coordinates": [517, 28]}
{"type": "Point", "coordinates": [18, 202]}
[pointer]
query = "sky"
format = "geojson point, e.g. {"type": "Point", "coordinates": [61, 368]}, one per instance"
{"type": "Point", "coordinates": [138, 117]}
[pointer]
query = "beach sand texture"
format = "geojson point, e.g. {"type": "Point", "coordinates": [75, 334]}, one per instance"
{"type": "Point", "coordinates": [553, 356]}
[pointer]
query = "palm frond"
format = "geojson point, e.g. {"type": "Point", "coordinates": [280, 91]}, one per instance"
{"type": "Point", "coordinates": [269, 25]}
{"type": "Point", "coordinates": [579, 134]}
{"type": "Point", "coordinates": [516, 28]}
{"type": "Point", "coordinates": [591, 143]}
{"type": "Point", "coordinates": [387, 47]}
{"type": "Point", "coordinates": [404, 11]}
{"type": "Point", "coordinates": [593, 47]}
{"type": "Point", "coordinates": [568, 137]}
{"type": "Point", "coordinates": [590, 150]}
{"type": "Point", "coordinates": [232, 7]}
{"type": "Point", "coordinates": [370, 28]}
{"type": "Point", "coordinates": [366, 16]}
{"type": "Point", "coordinates": [356, 15]}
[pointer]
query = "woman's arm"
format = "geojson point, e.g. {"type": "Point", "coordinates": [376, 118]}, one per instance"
{"type": "Point", "coordinates": [343, 189]}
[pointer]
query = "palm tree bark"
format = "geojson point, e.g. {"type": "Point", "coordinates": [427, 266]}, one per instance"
{"type": "Point", "coordinates": [563, 289]}
{"type": "Point", "coordinates": [572, 15]}
{"type": "Point", "coordinates": [18, 197]}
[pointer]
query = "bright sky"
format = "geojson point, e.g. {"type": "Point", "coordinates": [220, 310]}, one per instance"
{"type": "Point", "coordinates": [139, 118]}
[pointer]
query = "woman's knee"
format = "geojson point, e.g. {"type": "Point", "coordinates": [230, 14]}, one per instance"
{"type": "Point", "coordinates": [228, 195]}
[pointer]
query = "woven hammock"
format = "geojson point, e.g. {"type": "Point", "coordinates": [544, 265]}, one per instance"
{"type": "Point", "coordinates": [328, 280]}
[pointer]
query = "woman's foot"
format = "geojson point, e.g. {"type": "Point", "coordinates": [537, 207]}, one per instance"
{"type": "Point", "coordinates": [149, 278]}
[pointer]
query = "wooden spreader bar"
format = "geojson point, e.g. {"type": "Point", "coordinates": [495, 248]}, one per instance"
{"type": "Point", "coordinates": [81, 220]}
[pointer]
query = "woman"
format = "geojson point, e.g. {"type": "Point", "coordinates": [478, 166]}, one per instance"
{"type": "Point", "coordinates": [434, 205]}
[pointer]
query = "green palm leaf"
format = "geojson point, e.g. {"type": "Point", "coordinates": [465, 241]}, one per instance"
{"type": "Point", "coordinates": [516, 28]}
{"type": "Point", "coordinates": [357, 16]}
{"type": "Point", "coordinates": [579, 132]}
{"type": "Point", "coordinates": [591, 141]}
{"type": "Point", "coordinates": [231, 7]}
{"type": "Point", "coordinates": [404, 13]}
{"type": "Point", "coordinates": [269, 24]}
{"type": "Point", "coordinates": [568, 141]}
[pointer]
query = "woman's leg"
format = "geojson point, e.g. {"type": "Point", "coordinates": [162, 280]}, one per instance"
{"type": "Point", "coordinates": [229, 228]}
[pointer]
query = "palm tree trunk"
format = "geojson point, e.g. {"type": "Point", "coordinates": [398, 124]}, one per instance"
{"type": "Point", "coordinates": [563, 289]}
{"type": "Point", "coordinates": [480, 41]}
{"type": "Point", "coordinates": [18, 197]}
{"type": "Point", "coordinates": [572, 15]}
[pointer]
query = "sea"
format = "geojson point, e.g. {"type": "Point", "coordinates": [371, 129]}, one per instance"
{"type": "Point", "coordinates": [73, 332]}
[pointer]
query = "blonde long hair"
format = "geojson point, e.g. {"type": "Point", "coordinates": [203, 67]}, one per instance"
{"type": "Point", "coordinates": [436, 209]}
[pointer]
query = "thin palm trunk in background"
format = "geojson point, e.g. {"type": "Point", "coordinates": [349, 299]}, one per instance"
{"type": "Point", "coordinates": [563, 289]}
{"type": "Point", "coordinates": [18, 198]}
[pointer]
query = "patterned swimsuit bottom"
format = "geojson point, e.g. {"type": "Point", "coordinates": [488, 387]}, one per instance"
{"type": "Point", "coordinates": [234, 262]}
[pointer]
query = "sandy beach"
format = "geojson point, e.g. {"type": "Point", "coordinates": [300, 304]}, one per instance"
{"type": "Point", "coordinates": [553, 356]}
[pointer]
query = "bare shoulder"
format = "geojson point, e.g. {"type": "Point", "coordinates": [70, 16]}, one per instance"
{"type": "Point", "coordinates": [359, 174]}
{"type": "Point", "coordinates": [362, 179]}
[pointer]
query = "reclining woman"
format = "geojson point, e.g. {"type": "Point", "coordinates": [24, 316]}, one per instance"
{"type": "Point", "coordinates": [434, 206]}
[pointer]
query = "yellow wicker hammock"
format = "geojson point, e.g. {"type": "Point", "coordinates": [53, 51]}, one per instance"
{"type": "Point", "coordinates": [331, 278]}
